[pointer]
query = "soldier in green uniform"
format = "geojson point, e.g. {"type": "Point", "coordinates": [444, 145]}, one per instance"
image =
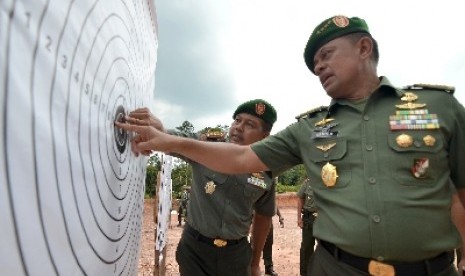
{"type": "Point", "coordinates": [306, 214]}
{"type": "Point", "coordinates": [222, 207]}
{"type": "Point", "coordinates": [380, 159]}
{"type": "Point", "coordinates": [268, 247]}
{"type": "Point", "coordinates": [183, 202]}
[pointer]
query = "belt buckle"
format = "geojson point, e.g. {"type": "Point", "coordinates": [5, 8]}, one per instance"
{"type": "Point", "coordinates": [376, 268]}
{"type": "Point", "coordinates": [219, 242]}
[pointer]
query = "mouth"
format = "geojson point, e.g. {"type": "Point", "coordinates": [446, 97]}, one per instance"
{"type": "Point", "coordinates": [235, 138]}
{"type": "Point", "coordinates": [324, 79]}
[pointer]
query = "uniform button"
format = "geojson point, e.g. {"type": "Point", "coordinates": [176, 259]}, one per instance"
{"type": "Point", "coordinates": [376, 218]}
{"type": "Point", "coordinates": [380, 258]}
{"type": "Point", "coordinates": [366, 117]}
{"type": "Point", "coordinates": [372, 180]}
{"type": "Point", "coordinates": [417, 144]}
{"type": "Point", "coordinates": [326, 154]}
{"type": "Point", "coordinates": [369, 147]}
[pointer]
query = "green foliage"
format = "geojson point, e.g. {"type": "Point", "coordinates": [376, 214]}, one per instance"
{"type": "Point", "coordinates": [186, 127]}
{"type": "Point", "coordinates": [151, 181]}
{"type": "Point", "coordinates": [153, 167]}
{"type": "Point", "coordinates": [224, 128]}
{"type": "Point", "coordinates": [181, 176]}
{"type": "Point", "coordinates": [280, 188]}
{"type": "Point", "coordinates": [293, 176]}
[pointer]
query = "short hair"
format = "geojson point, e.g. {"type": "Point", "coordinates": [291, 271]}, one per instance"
{"type": "Point", "coordinates": [355, 37]}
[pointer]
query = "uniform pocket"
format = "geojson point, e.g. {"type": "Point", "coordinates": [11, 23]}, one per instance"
{"type": "Point", "coordinates": [332, 151]}
{"type": "Point", "coordinates": [418, 157]}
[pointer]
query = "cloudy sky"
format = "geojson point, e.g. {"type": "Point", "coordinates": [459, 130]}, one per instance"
{"type": "Point", "coordinates": [215, 54]}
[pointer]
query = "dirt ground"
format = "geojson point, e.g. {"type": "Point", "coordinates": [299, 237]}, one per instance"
{"type": "Point", "coordinates": [285, 248]}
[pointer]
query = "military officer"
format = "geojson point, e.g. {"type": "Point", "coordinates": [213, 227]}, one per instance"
{"type": "Point", "coordinates": [380, 159]}
{"type": "Point", "coordinates": [306, 214]}
{"type": "Point", "coordinates": [214, 240]}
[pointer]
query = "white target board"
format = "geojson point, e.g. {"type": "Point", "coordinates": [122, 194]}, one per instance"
{"type": "Point", "coordinates": [71, 191]}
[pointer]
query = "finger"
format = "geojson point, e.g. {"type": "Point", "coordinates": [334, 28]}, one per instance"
{"type": "Point", "coordinates": [147, 152]}
{"type": "Point", "coordinates": [135, 148]}
{"type": "Point", "coordinates": [135, 121]}
{"type": "Point", "coordinates": [130, 127]}
{"type": "Point", "coordinates": [145, 146]}
{"type": "Point", "coordinates": [140, 113]}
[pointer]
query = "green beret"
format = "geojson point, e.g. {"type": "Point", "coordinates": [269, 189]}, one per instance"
{"type": "Point", "coordinates": [258, 108]}
{"type": "Point", "coordinates": [330, 29]}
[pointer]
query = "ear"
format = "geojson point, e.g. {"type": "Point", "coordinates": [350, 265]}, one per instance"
{"type": "Point", "coordinates": [365, 47]}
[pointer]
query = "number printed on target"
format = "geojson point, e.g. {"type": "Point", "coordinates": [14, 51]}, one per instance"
{"type": "Point", "coordinates": [71, 191]}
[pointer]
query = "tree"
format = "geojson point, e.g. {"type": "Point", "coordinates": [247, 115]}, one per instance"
{"type": "Point", "coordinates": [186, 127]}
{"type": "Point", "coordinates": [153, 167]}
{"type": "Point", "coordinates": [181, 176]}
{"type": "Point", "coordinates": [293, 176]}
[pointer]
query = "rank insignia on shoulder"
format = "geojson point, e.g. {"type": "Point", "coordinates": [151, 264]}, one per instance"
{"type": "Point", "coordinates": [440, 87]}
{"type": "Point", "coordinates": [310, 113]}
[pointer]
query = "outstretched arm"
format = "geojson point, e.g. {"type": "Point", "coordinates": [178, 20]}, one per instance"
{"type": "Point", "coordinates": [222, 157]}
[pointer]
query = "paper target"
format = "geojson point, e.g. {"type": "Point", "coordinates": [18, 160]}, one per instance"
{"type": "Point", "coordinates": [71, 191]}
{"type": "Point", "coordinates": [164, 206]}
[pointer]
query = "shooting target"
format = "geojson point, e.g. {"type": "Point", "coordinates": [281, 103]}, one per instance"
{"type": "Point", "coordinates": [71, 191]}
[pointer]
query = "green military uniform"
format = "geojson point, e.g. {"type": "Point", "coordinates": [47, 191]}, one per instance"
{"type": "Point", "coordinates": [381, 184]}
{"type": "Point", "coordinates": [309, 213]}
{"type": "Point", "coordinates": [221, 206]}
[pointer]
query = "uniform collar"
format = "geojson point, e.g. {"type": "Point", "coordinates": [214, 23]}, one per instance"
{"type": "Point", "coordinates": [384, 85]}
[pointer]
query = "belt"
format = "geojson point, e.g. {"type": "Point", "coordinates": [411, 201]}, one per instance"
{"type": "Point", "coordinates": [426, 267]}
{"type": "Point", "coordinates": [218, 242]}
{"type": "Point", "coordinates": [308, 213]}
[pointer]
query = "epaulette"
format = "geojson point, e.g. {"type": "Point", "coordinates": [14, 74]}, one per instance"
{"type": "Point", "coordinates": [311, 112]}
{"type": "Point", "coordinates": [420, 86]}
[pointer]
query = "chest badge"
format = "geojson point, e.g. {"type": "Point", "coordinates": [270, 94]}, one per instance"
{"type": "Point", "coordinates": [323, 122]}
{"type": "Point", "coordinates": [326, 147]}
{"type": "Point", "coordinates": [420, 167]}
{"type": "Point", "coordinates": [257, 179]}
{"type": "Point", "coordinates": [411, 115]}
{"type": "Point", "coordinates": [404, 140]}
{"type": "Point", "coordinates": [210, 187]}
{"type": "Point", "coordinates": [329, 175]}
{"type": "Point", "coordinates": [325, 131]}
{"type": "Point", "coordinates": [429, 140]}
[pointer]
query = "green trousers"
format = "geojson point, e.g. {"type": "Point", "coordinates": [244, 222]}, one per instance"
{"type": "Point", "coordinates": [308, 242]}
{"type": "Point", "coordinates": [196, 258]}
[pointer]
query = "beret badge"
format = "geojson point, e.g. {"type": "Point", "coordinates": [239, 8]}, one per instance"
{"type": "Point", "coordinates": [341, 21]}
{"type": "Point", "coordinates": [260, 108]}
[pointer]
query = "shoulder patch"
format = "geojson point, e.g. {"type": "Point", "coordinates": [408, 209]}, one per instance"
{"type": "Point", "coordinates": [311, 112]}
{"type": "Point", "coordinates": [421, 86]}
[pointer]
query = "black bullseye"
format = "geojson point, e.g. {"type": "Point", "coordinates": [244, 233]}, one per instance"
{"type": "Point", "coordinates": [121, 136]}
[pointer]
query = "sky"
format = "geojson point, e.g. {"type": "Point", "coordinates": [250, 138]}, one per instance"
{"type": "Point", "coordinates": [215, 54]}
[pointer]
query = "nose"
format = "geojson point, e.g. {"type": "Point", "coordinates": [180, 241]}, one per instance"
{"type": "Point", "coordinates": [239, 126]}
{"type": "Point", "coordinates": [318, 67]}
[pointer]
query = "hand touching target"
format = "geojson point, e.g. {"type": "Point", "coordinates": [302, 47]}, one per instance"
{"type": "Point", "coordinates": [71, 191]}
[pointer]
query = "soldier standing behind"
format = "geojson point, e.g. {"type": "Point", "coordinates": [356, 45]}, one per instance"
{"type": "Point", "coordinates": [182, 211]}
{"type": "Point", "coordinates": [306, 214]}
{"type": "Point", "coordinates": [268, 247]}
